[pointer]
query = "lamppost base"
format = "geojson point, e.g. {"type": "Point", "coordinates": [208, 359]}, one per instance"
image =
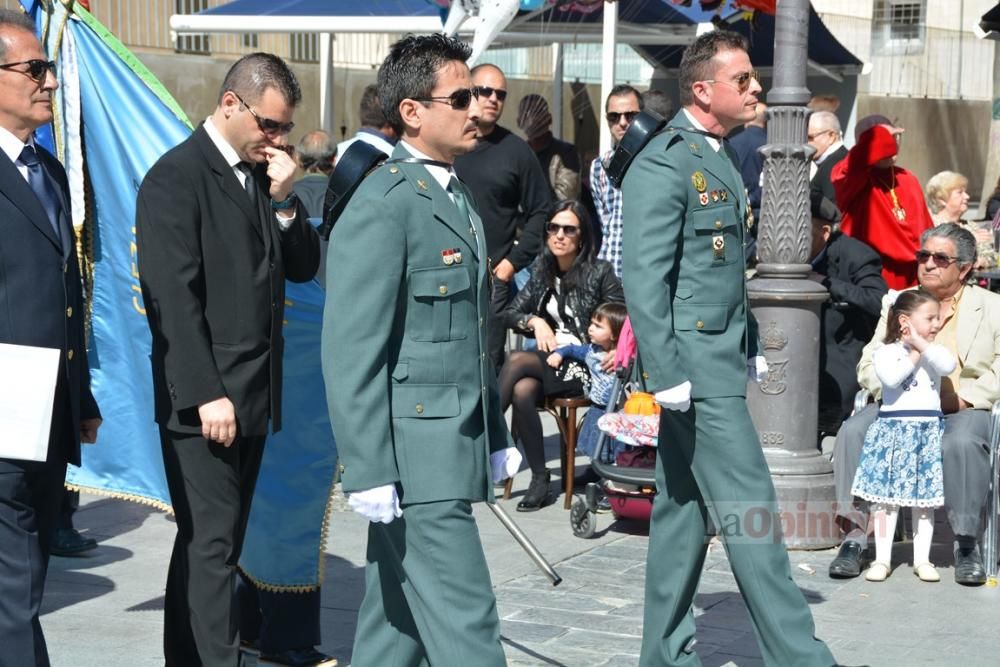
{"type": "Point", "coordinates": [784, 407]}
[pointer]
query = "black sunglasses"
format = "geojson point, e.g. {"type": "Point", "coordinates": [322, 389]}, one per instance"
{"type": "Point", "coordinates": [486, 92]}
{"type": "Point", "coordinates": [459, 100]}
{"type": "Point", "coordinates": [267, 126]}
{"type": "Point", "coordinates": [615, 116]}
{"type": "Point", "coordinates": [569, 230]}
{"type": "Point", "coordinates": [941, 260]}
{"type": "Point", "coordinates": [36, 68]}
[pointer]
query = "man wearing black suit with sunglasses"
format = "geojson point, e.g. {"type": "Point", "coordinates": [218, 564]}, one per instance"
{"type": "Point", "coordinates": [512, 194]}
{"type": "Point", "coordinates": [219, 230]}
{"type": "Point", "coordinates": [41, 305]}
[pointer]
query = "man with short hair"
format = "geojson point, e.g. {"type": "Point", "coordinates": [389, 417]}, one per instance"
{"type": "Point", "coordinates": [41, 306]}
{"type": "Point", "coordinates": [512, 195]}
{"type": "Point", "coordinates": [685, 230]}
{"type": "Point", "coordinates": [375, 128]}
{"type": "Point", "coordinates": [218, 230]}
{"type": "Point", "coordinates": [970, 329]}
{"type": "Point", "coordinates": [623, 104]}
{"type": "Point", "coordinates": [412, 394]}
{"type": "Point", "coordinates": [559, 159]}
{"type": "Point", "coordinates": [315, 153]}
{"type": "Point", "coordinates": [823, 134]}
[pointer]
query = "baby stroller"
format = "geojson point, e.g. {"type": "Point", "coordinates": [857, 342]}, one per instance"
{"type": "Point", "coordinates": [627, 478]}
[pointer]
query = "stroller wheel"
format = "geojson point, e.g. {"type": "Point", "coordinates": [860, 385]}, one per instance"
{"type": "Point", "coordinates": [581, 519]}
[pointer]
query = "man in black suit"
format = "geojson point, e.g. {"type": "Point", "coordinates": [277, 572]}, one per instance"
{"type": "Point", "coordinates": [218, 230]}
{"type": "Point", "coordinates": [824, 134]}
{"type": "Point", "coordinates": [852, 271]}
{"type": "Point", "coordinates": [41, 305]}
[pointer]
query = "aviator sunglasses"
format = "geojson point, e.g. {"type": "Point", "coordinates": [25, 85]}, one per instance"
{"type": "Point", "coordinates": [568, 230]}
{"type": "Point", "coordinates": [941, 260]}
{"type": "Point", "coordinates": [266, 125]}
{"type": "Point", "coordinates": [36, 68]}
{"type": "Point", "coordinates": [741, 82]}
{"type": "Point", "coordinates": [458, 100]}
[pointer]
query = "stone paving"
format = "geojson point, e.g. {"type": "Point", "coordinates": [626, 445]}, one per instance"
{"type": "Point", "coordinates": [105, 610]}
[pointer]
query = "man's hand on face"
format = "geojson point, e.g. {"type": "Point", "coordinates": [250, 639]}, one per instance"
{"type": "Point", "coordinates": [281, 170]}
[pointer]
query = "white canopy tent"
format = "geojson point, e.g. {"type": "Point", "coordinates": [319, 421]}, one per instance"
{"type": "Point", "coordinates": [609, 33]}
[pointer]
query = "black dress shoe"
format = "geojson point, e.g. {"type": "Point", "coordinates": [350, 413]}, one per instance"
{"type": "Point", "coordinates": [969, 569]}
{"type": "Point", "coordinates": [297, 657]}
{"type": "Point", "coordinates": [68, 543]}
{"type": "Point", "coordinates": [849, 561]}
{"type": "Point", "coordinates": [537, 495]}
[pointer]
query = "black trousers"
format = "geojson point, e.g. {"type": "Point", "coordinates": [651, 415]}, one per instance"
{"type": "Point", "coordinates": [30, 496]}
{"type": "Point", "coordinates": [211, 487]}
{"type": "Point", "coordinates": [278, 621]}
{"type": "Point", "coordinates": [496, 334]}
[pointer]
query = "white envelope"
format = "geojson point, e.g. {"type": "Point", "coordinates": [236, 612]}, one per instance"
{"type": "Point", "coordinates": [27, 391]}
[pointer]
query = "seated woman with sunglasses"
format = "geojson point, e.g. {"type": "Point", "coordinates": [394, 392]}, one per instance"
{"type": "Point", "coordinates": [567, 284]}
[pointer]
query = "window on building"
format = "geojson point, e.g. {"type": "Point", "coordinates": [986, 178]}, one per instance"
{"type": "Point", "coordinates": [248, 40]}
{"type": "Point", "coordinates": [899, 26]}
{"type": "Point", "coordinates": [191, 43]}
{"type": "Point", "coordinates": [304, 47]}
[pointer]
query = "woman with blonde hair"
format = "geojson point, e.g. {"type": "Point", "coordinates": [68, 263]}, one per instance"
{"type": "Point", "coordinates": [948, 200]}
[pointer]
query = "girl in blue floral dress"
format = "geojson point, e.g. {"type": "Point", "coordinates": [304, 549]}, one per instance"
{"type": "Point", "coordinates": [901, 461]}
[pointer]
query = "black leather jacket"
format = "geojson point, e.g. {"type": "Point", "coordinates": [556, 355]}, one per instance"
{"type": "Point", "coordinates": [599, 285]}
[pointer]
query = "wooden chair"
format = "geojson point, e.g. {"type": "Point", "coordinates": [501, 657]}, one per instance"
{"type": "Point", "coordinates": [564, 410]}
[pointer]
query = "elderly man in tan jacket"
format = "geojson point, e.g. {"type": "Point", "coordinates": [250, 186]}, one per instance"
{"type": "Point", "coordinates": [970, 328]}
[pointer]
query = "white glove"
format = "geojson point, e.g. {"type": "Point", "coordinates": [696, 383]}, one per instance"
{"type": "Point", "coordinates": [675, 398]}
{"type": "Point", "coordinates": [380, 504]}
{"type": "Point", "coordinates": [504, 463]}
{"type": "Point", "coordinates": [757, 369]}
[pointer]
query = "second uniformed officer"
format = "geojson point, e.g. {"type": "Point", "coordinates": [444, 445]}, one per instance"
{"type": "Point", "coordinates": [412, 394]}
{"type": "Point", "coordinates": [685, 221]}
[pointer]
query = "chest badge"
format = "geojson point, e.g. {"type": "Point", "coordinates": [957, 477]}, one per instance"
{"type": "Point", "coordinates": [448, 257]}
{"type": "Point", "coordinates": [699, 182]}
{"type": "Point", "coordinates": [719, 246]}
{"type": "Point", "coordinates": [703, 199]}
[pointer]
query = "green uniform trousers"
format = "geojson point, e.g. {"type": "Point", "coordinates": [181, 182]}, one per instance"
{"type": "Point", "coordinates": [428, 596]}
{"type": "Point", "coordinates": [710, 463]}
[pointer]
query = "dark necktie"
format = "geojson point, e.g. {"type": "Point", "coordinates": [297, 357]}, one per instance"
{"type": "Point", "coordinates": [461, 200]}
{"type": "Point", "coordinates": [43, 187]}
{"type": "Point", "coordinates": [249, 184]}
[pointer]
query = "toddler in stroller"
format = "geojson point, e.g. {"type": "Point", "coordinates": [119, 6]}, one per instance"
{"type": "Point", "coordinates": [624, 455]}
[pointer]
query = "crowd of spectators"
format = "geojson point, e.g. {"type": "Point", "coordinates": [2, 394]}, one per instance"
{"type": "Point", "coordinates": [875, 230]}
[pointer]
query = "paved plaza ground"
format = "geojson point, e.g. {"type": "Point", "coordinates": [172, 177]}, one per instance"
{"type": "Point", "coordinates": [105, 610]}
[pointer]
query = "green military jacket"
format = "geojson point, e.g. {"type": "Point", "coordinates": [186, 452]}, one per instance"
{"type": "Point", "coordinates": [685, 222]}
{"type": "Point", "coordinates": [412, 394]}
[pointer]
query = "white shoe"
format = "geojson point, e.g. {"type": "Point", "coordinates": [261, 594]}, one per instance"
{"type": "Point", "coordinates": [926, 572]}
{"type": "Point", "coordinates": [878, 571]}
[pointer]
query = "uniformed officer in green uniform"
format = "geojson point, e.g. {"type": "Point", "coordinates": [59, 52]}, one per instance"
{"type": "Point", "coordinates": [412, 394]}
{"type": "Point", "coordinates": [685, 221]}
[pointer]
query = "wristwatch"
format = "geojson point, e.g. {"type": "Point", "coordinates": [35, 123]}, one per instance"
{"type": "Point", "coordinates": [288, 202]}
